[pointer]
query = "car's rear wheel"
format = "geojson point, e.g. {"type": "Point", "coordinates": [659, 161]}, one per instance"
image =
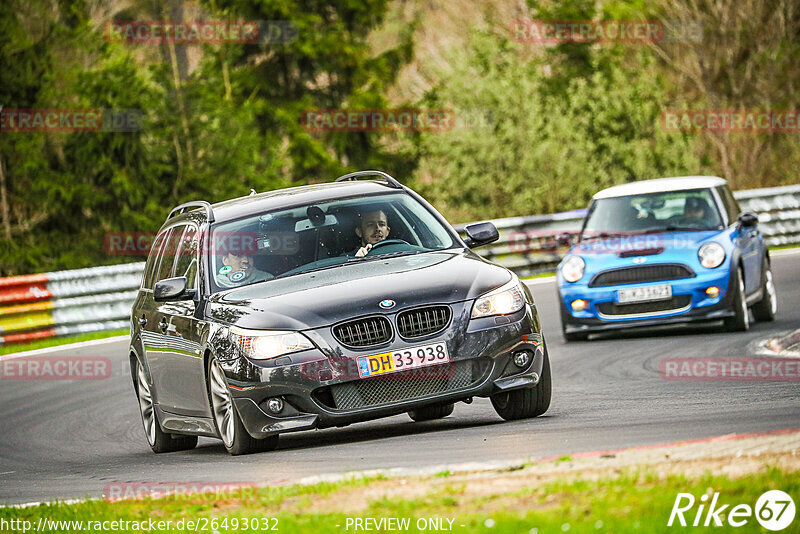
{"type": "Point", "coordinates": [765, 309]}
{"type": "Point", "coordinates": [740, 321]}
{"type": "Point", "coordinates": [159, 440]}
{"type": "Point", "coordinates": [528, 402]}
{"type": "Point", "coordinates": [435, 411]}
{"type": "Point", "coordinates": [229, 425]}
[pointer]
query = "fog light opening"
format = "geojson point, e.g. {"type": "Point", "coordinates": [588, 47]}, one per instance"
{"type": "Point", "coordinates": [579, 305]}
{"type": "Point", "coordinates": [275, 405]}
{"type": "Point", "coordinates": [522, 358]}
{"type": "Point", "coordinates": [712, 292]}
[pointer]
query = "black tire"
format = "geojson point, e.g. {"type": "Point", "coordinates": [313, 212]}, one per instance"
{"type": "Point", "coordinates": [528, 402]}
{"type": "Point", "coordinates": [435, 411]}
{"type": "Point", "coordinates": [740, 322]}
{"type": "Point", "coordinates": [236, 439]}
{"type": "Point", "coordinates": [158, 440]}
{"type": "Point", "coordinates": [765, 309]}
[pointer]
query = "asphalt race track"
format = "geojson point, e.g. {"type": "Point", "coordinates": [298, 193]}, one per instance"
{"type": "Point", "coordinates": [69, 439]}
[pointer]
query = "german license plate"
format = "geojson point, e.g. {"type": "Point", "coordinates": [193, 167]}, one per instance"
{"type": "Point", "coordinates": [644, 294]}
{"type": "Point", "coordinates": [402, 360]}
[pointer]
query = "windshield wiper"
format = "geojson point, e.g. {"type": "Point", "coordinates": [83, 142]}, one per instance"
{"type": "Point", "coordinates": [387, 255]}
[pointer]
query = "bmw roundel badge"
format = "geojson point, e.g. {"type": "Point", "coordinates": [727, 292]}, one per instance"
{"type": "Point", "coordinates": [386, 304]}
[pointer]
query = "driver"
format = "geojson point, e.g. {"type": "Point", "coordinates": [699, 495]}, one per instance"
{"type": "Point", "coordinates": [373, 228]}
{"type": "Point", "coordinates": [695, 210]}
{"type": "Point", "coordinates": [238, 270]}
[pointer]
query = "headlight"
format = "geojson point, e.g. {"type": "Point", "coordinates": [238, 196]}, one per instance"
{"type": "Point", "coordinates": [267, 344]}
{"type": "Point", "coordinates": [711, 255]}
{"type": "Point", "coordinates": [572, 268]}
{"type": "Point", "coordinates": [506, 299]}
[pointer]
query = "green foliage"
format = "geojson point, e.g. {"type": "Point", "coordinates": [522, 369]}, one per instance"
{"type": "Point", "coordinates": [543, 152]}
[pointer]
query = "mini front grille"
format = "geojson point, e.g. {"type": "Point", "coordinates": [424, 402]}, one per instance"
{"type": "Point", "coordinates": [407, 385]}
{"type": "Point", "coordinates": [675, 303]}
{"type": "Point", "coordinates": [641, 274]}
{"type": "Point", "coordinates": [364, 332]}
{"type": "Point", "coordinates": [423, 321]}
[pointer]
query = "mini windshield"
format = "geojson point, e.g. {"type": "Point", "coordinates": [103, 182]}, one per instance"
{"type": "Point", "coordinates": [324, 235]}
{"type": "Point", "coordinates": [654, 212]}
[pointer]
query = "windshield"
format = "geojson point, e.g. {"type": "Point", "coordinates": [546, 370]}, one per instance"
{"type": "Point", "coordinates": [654, 212]}
{"type": "Point", "coordinates": [283, 243]}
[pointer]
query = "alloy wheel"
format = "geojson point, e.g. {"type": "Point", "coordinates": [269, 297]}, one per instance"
{"type": "Point", "coordinates": [222, 404]}
{"type": "Point", "coordinates": [146, 406]}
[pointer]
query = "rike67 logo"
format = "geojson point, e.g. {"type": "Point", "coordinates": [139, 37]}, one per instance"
{"type": "Point", "coordinates": [774, 510]}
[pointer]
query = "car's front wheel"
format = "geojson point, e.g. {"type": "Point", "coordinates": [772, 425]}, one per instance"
{"type": "Point", "coordinates": [765, 309]}
{"type": "Point", "coordinates": [528, 402]}
{"type": "Point", "coordinates": [428, 413]}
{"type": "Point", "coordinates": [740, 321]}
{"type": "Point", "coordinates": [159, 440]}
{"type": "Point", "coordinates": [226, 419]}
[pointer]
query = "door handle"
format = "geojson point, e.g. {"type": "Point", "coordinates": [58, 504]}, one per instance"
{"type": "Point", "coordinates": [142, 321]}
{"type": "Point", "coordinates": [163, 324]}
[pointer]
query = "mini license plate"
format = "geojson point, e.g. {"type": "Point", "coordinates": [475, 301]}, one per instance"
{"type": "Point", "coordinates": [644, 294]}
{"type": "Point", "coordinates": [402, 360]}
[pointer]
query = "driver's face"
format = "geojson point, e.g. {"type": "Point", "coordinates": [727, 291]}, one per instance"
{"type": "Point", "coordinates": [239, 263]}
{"type": "Point", "coordinates": [693, 213]}
{"type": "Point", "coordinates": [374, 228]}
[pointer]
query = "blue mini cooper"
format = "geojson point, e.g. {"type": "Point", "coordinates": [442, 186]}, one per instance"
{"type": "Point", "coordinates": [665, 251]}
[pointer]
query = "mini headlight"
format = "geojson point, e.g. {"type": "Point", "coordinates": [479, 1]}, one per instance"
{"type": "Point", "coordinates": [506, 299]}
{"type": "Point", "coordinates": [572, 268]}
{"type": "Point", "coordinates": [711, 255]}
{"type": "Point", "coordinates": [268, 344]}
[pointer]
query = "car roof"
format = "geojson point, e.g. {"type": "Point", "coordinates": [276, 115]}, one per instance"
{"type": "Point", "coordinates": [660, 185]}
{"type": "Point", "coordinates": [236, 208]}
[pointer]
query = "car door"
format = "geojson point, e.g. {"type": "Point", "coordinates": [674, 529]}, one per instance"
{"type": "Point", "coordinates": [177, 363]}
{"type": "Point", "coordinates": [747, 240]}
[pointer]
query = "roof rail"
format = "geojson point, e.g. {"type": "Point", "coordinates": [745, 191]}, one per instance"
{"type": "Point", "coordinates": [193, 204]}
{"type": "Point", "coordinates": [354, 175]}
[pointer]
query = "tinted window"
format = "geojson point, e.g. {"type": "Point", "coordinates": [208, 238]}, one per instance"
{"type": "Point", "coordinates": [320, 236]}
{"type": "Point", "coordinates": [171, 242]}
{"type": "Point", "coordinates": [186, 262]}
{"type": "Point", "coordinates": [153, 261]}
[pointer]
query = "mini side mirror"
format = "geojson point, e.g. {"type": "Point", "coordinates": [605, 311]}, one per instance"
{"type": "Point", "coordinates": [748, 219]}
{"type": "Point", "coordinates": [564, 240]}
{"type": "Point", "coordinates": [171, 289]}
{"type": "Point", "coordinates": [479, 234]}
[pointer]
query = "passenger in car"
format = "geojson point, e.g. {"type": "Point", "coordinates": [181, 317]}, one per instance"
{"type": "Point", "coordinates": [238, 270]}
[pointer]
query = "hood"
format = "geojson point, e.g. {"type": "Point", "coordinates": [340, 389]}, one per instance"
{"type": "Point", "coordinates": [325, 297]}
{"type": "Point", "coordinates": [645, 249]}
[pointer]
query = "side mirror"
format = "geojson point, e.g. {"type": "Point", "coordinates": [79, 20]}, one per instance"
{"type": "Point", "coordinates": [479, 234]}
{"type": "Point", "coordinates": [171, 289]}
{"type": "Point", "coordinates": [748, 219]}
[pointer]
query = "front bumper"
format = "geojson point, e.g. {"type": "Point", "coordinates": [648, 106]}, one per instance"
{"type": "Point", "coordinates": [697, 305]}
{"type": "Point", "coordinates": [321, 388]}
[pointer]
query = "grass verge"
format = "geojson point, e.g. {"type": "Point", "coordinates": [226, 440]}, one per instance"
{"type": "Point", "coordinates": [56, 341]}
{"type": "Point", "coordinates": [635, 500]}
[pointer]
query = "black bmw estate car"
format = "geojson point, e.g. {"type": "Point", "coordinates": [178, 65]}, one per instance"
{"type": "Point", "coordinates": [321, 306]}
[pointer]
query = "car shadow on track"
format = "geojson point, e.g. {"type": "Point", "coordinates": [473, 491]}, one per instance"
{"type": "Point", "coordinates": [359, 432]}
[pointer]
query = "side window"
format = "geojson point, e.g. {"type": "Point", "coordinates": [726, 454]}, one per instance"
{"type": "Point", "coordinates": [186, 261]}
{"type": "Point", "coordinates": [168, 253]}
{"type": "Point", "coordinates": [153, 261]}
{"type": "Point", "coordinates": [731, 204]}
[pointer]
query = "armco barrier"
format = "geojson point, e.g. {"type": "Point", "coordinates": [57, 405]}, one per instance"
{"type": "Point", "coordinates": [99, 298]}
